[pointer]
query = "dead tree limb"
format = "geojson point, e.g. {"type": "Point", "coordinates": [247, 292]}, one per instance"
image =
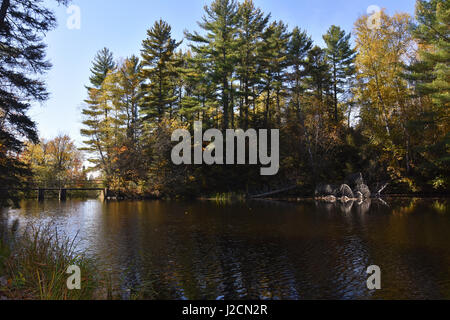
{"type": "Point", "coordinates": [378, 194]}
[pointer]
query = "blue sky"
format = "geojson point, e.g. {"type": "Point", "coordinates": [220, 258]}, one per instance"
{"type": "Point", "coordinates": [121, 26]}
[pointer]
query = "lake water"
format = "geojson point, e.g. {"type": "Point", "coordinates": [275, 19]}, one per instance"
{"type": "Point", "coordinates": [261, 249]}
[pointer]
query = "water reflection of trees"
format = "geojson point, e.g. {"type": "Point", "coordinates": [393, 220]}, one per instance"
{"type": "Point", "coordinates": [3, 224]}
{"type": "Point", "coordinates": [261, 250]}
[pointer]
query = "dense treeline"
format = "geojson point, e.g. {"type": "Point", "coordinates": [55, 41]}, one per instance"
{"type": "Point", "coordinates": [375, 101]}
{"type": "Point", "coordinates": [380, 107]}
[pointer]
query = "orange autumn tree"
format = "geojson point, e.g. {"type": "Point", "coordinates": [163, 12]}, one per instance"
{"type": "Point", "coordinates": [54, 162]}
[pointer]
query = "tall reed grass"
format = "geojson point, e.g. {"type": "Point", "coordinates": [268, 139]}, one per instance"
{"type": "Point", "coordinates": [33, 265]}
{"type": "Point", "coordinates": [229, 197]}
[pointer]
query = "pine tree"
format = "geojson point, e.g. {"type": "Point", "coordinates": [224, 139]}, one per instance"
{"type": "Point", "coordinates": [432, 33]}
{"type": "Point", "coordinates": [341, 58]}
{"type": "Point", "coordinates": [159, 72]}
{"type": "Point", "coordinates": [318, 78]}
{"type": "Point", "coordinates": [252, 23]}
{"type": "Point", "coordinates": [23, 24]}
{"type": "Point", "coordinates": [219, 48]}
{"type": "Point", "coordinates": [273, 64]}
{"type": "Point", "coordinates": [298, 48]}
{"type": "Point", "coordinates": [129, 95]}
{"type": "Point", "coordinates": [97, 118]}
{"type": "Point", "coordinates": [430, 74]}
{"type": "Point", "coordinates": [102, 64]}
{"type": "Point", "coordinates": [124, 88]}
{"type": "Point", "coordinates": [199, 97]}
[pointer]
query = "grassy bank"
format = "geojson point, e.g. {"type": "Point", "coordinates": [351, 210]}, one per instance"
{"type": "Point", "coordinates": [227, 197]}
{"type": "Point", "coordinates": [33, 265]}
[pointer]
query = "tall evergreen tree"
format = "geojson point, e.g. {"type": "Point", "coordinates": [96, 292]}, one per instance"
{"type": "Point", "coordinates": [102, 64]}
{"type": "Point", "coordinates": [96, 115]}
{"type": "Point", "coordinates": [130, 95]}
{"type": "Point", "coordinates": [430, 74]}
{"type": "Point", "coordinates": [23, 23]}
{"type": "Point", "coordinates": [433, 35]}
{"type": "Point", "coordinates": [252, 23]}
{"type": "Point", "coordinates": [159, 72]}
{"type": "Point", "coordinates": [121, 91]}
{"type": "Point", "coordinates": [298, 48]}
{"type": "Point", "coordinates": [199, 97]}
{"type": "Point", "coordinates": [318, 78]}
{"type": "Point", "coordinates": [273, 63]}
{"type": "Point", "coordinates": [219, 48]}
{"type": "Point", "coordinates": [341, 57]}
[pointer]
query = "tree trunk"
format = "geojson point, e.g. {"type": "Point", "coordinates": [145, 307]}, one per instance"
{"type": "Point", "coordinates": [267, 113]}
{"type": "Point", "coordinates": [246, 104]}
{"type": "Point", "coordinates": [335, 95]}
{"type": "Point", "coordinates": [3, 11]}
{"type": "Point", "coordinates": [225, 102]}
{"type": "Point", "coordinates": [232, 104]}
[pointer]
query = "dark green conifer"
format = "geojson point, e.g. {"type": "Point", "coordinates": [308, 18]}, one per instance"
{"type": "Point", "coordinates": [341, 57]}
{"type": "Point", "coordinates": [159, 72]}
{"type": "Point", "coordinates": [219, 48]}
{"type": "Point", "coordinates": [102, 64]}
{"type": "Point", "coordinates": [23, 24]}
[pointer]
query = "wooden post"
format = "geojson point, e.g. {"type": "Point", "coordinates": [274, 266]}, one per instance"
{"type": "Point", "coordinates": [41, 194]}
{"type": "Point", "coordinates": [62, 194]}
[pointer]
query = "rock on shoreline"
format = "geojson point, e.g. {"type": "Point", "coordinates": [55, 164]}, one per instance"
{"type": "Point", "coordinates": [354, 188]}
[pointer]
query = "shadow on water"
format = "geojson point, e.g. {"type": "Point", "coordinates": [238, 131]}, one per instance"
{"type": "Point", "coordinates": [261, 249]}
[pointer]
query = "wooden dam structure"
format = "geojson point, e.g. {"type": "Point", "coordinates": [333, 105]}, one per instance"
{"type": "Point", "coordinates": [62, 191]}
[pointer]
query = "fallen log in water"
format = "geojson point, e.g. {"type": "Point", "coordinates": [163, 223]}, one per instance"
{"type": "Point", "coordinates": [271, 193]}
{"type": "Point", "coordinates": [378, 193]}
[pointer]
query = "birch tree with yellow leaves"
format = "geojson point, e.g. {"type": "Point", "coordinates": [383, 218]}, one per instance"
{"type": "Point", "coordinates": [382, 93]}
